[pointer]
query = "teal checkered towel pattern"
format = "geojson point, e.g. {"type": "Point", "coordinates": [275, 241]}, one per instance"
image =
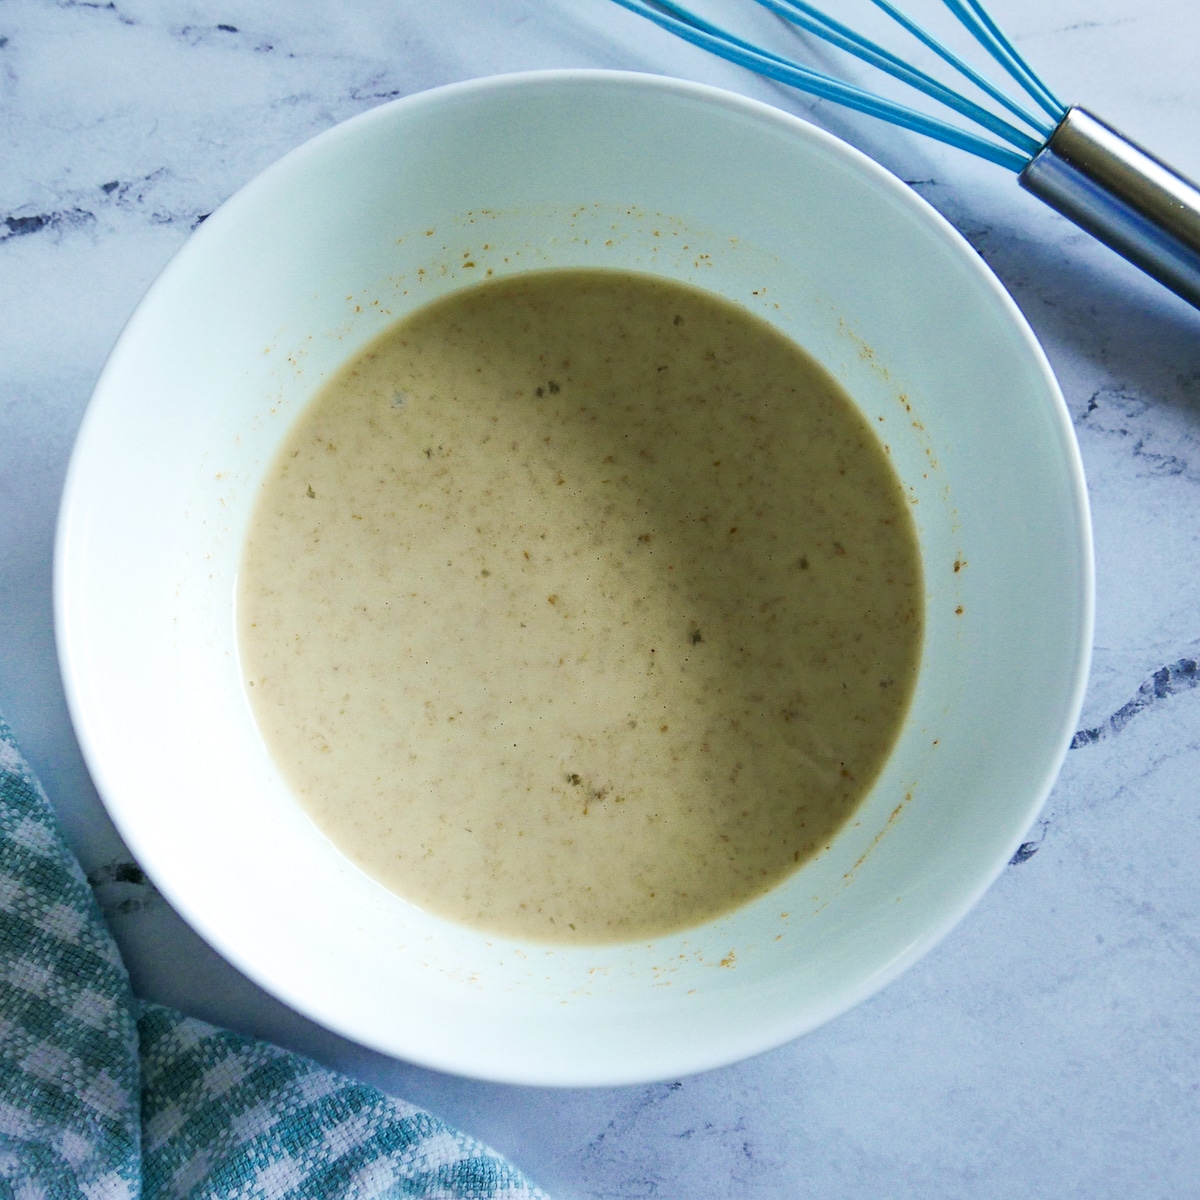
{"type": "Point", "coordinates": [106, 1098]}
{"type": "Point", "coordinates": [69, 1106]}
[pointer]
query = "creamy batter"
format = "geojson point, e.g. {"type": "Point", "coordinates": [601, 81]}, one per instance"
{"type": "Point", "coordinates": [581, 606]}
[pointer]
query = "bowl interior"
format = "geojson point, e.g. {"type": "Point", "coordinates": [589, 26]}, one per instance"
{"type": "Point", "coordinates": [433, 193]}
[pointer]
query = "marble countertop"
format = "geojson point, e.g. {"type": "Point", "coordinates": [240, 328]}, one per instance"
{"type": "Point", "coordinates": [1050, 1045]}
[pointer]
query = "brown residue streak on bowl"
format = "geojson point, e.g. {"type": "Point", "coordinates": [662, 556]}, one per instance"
{"type": "Point", "coordinates": [865, 352]}
{"type": "Point", "coordinates": [892, 819]}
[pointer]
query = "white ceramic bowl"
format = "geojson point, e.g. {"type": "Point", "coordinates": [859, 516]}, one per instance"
{"type": "Point", "coordinates": [315, 257]}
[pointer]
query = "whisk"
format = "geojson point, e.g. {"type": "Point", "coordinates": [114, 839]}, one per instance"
{"type": "Point", "coordinates": [1093, 175]}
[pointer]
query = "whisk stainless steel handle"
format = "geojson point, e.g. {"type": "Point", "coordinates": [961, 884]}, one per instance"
{"type": "Point", "coordinates": [1122, 195]}
{"type": "Point", "coordinates": [1106, 184]}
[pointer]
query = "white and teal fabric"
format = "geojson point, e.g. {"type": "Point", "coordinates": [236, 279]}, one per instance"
{"type": "Point", "coordinates": [103, 1097]}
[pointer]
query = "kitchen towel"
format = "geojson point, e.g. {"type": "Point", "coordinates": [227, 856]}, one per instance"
{"type": "Point", "coordinates": [104, 1097]}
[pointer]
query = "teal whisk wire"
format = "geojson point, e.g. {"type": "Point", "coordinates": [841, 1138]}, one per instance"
{"type": "Point", "coordinates": [990, 36]}
{"type": "Point", "coordinates": [979, 80]}
{"type": "Point", "coordinates": [688, 25]}
{"type": "Point", "coordinates": [1080, 166]}
{"type": "Point", "coordinates": [807, 17]}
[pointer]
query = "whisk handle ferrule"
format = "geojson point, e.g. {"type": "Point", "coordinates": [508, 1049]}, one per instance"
{"type": "Point", "coordinates": [1123, 196]}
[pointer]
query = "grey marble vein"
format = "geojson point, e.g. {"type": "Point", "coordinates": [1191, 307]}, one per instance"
{"type": "Point", "coordinates": [1179, 676]}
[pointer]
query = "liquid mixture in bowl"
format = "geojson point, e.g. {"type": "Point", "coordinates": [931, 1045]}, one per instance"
{"type": "Point", "coordinates": [581, 606]}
